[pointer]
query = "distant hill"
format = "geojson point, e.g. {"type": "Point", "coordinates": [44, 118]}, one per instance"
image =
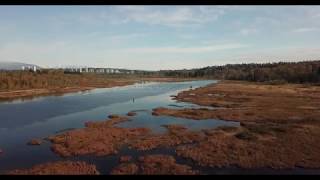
{"type": "Point", "coordinates": [14, 65]}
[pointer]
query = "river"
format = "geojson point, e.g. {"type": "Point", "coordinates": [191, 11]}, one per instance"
{"type": "Point", "coordinates": [22, 120]}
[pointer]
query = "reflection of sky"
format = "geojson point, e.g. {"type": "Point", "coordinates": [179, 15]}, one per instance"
{"type": "Point", "coordinates": [50, 114]}
{"type": "Point", "coordinates": [19, 114]}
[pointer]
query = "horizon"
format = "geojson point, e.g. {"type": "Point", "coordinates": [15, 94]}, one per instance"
{"type": "Point", "coordinates": [243, 63]}
{"type": "Point", "coordinates": [158, 37]}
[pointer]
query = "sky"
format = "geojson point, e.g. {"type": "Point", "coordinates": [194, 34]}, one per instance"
{"type": "Point", "coordinates": [158, 37]}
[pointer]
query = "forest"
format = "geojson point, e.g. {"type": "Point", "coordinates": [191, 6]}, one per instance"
{"type": "Point", "coordinates": [282, 72]}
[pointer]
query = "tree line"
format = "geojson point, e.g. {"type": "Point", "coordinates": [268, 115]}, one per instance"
{"type": "Point", "coordinates": [290, 72]}
{"type": "Point", "coordinates": [282, 72]}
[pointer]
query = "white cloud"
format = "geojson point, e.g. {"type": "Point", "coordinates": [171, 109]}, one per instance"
{"type": "Point", "coordinates": [279, 54]}
{"type": "Point", "coordinates": [171, 16]}
{"type": "Point", "coordinates": [307, 29]}
{"type": "Point", "coordinates": [316, 15]}
{"type": "Point", "coordinates": [37, 53]}
{"type": "Point", "coordinates": [186, 36]}
{"type": "Point", "coordinates": [186, 49]}
{"type": "Point", "coordinates": [122, 37]}
{"type": "Point", "coordinates": [248, 31]}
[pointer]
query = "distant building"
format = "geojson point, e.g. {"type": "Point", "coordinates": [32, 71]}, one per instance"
{"type": "Point", "coordinates": [98, 70]}
{"type": "Point", "coordinates": [28, 68]}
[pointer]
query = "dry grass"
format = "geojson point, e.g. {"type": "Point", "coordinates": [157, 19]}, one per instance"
{"type": "Point", "coordinates": [59, 168]}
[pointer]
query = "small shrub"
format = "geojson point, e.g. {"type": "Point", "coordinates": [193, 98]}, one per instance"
{"type": "Point", "coordinates": [246, 135]}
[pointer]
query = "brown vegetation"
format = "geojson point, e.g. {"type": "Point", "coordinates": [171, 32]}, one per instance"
{"type": "Point", "coordinates": [163, 164]}
{"type": "Point", "coordinates": [176, 135]}
{"type": "Point", "coordinates": [131, 114]}
{"type": "Point", "coordinates": [280, 125]}
{"type": "Point", "coordinates": [17, 84]}
{"type": "Point", "coordinates": [125, 159]}
{"type": "Point", "coordinates": [125, 169]}
{"type": "Point", "coordinates": [103, 138]}
{"type": "Point", "coordinates": [40, 92]}
{"type": "Point", "coordinates": [280, 128]}
{"type": "Point", "coordinates": [98, 138]}
{"type": "Point", "coordinates": [258, 146]}
{"type": "Point", "coordinates": [59, 168]}
{"type": "Point", "coordinates": [154, 165]}
{"type": "Point", "coordinates": [195, 114]}
{"type": "Point", "coordinates": [251, 102]}
{"type": "Point", "coordinates": [51, 79]}
{"type": "Point", "coordinates": [35, 142]}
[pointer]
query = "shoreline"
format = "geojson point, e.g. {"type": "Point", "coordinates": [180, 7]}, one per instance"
{"type": "Point", "coordinates": [31, 93]}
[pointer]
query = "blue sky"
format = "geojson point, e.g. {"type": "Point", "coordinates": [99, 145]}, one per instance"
{"type": "Point", "coordinates": [158, 37]}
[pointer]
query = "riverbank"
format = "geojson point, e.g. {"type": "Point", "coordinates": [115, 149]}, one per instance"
{"type": "Point", "coordinates": [108, 83]}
